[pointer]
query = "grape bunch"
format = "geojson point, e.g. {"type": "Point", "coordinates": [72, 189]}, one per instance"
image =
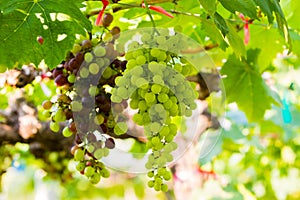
{"type": "Point", "coordinates": [82, 104]}
{"type": "Point", "coordinates": [154, 81]}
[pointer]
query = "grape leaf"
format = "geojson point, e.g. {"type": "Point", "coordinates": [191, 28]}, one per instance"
{"type": "Point", "coordinates": [247, 7]}
{"type": "Point", "coordinates": [221, 24]}
{"type": "Point", "coordinates": [270, 6]}
{"type": "Point", "coordinates": [266, 7]}
{"type": "Point", "coordinates": [213, 32]}
{"type": "Point", "coordinates": [235, 41]}
{"type": "Point", "coordinates": [209, 5]}
{"type": "Point", "coordinates": [22, 22]}
{"type": "Point", "coordinates": [245, 86]}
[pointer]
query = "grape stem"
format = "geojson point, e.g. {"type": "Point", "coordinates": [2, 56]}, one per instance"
{"type": "Point", "coordinates": [151, 18]}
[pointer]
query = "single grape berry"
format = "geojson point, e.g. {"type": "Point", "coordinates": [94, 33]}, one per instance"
{"type": "Point", "coordinates": [86, 44]}
{"type": "Point", "coordinates": [107, 19]}
{"type": "Point", "coordinates": [110, 143]}
{"type": "Point", "coordinates": [115, 31]}
{"type": "Point", "coordinates": [61, 80]}
{"type": "Point", "coordinates": [40, 40]}
{"type": "Point", "coordinates": [47, 104]}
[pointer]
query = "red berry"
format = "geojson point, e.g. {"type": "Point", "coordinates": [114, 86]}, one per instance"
{"type": "Point", "coordinates": [40, 39]}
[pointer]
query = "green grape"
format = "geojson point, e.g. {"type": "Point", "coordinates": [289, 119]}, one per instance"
{"type": "Point", "coordinates": [59, 116]}
{"type": "Point", "coordinates": [131, 64]}
{"type": "Point", "coordinates": [164, 188]}
{"type": "Point", "coordinates": [155, 88]}
{"type": "Point", "coordinates": [98, 154]}
{"type": "Point", "coordinates": [150, 174]}
{"type": "Point", "coordinates": [54, 126]}
{"type": "Point", "coordinates": [72, 78]}
{"type": "Point", "coordinates": [146, 118]}
{"type": "Point", "coordinates": [46, 113]}
{"type": "Point", "coordinates": [158, 180]}
{"type": "Point", "coordinates": [150, 97]}
{"type": "Point", "coordinates": [89, 171]}
{"type": "Point", "coordinates": [123, 92]}
{"type": "Point", "coordinates": [154, 52]}
{"type": "Point", "coordinates": [105, 173]}
{"type": "Point", "coordinates": [105, 152]}
{"type": "Point", "coordinates": [99, 51]}
{"type": "Point", "coordinates": [116, 99]}
{"type": "Point", "coordinates": [155, 127]}
{"type": "Point", "coordinates": [95, 178]}
{"type": "Point", "coordinates": [76, 48]}
{"type": "Point", "coordinates": [80, 166]}
{"type": "Point", "coordinates": [134, 103]}
{"type": "Point", "coordinates": [164, 131]}
{"type": "Point", "coordinates": [140, 60]}
{"type": "Point", "coordinates": [120, 128]}
{"type": "Point", "coordinates": [94, 68]}
{"type": "Point", "coordinates": [98, 119]}
{"type": "Point", "coordinates": [84, 72]}
{"type": "Point", "coordinates": [161, 171]}
{"type": "Point", "coordinates": [157, 187]}
{"type": "Point", "coordinates": [137, 53]}
{"type": "Point", "coordinates": [88, 57]}
{"type": "Point", "coordinates": [155, 141]}
{"type": "Point", "coordinates": [121, 81]}
{"type": "Point", "coordinates": [76, 106]}
{"type": "Point", "coordinates": [167, 176]}
{"type": "Point", "coordinates": [151, 184]}
{"type": "Point", "coordinates": [79, 154]}
{"type": "Point", "coordinates": [158, 79]}
{"type": "Point", "coordinates": [173, 129]}
{"type": "Point", "coordinates": [162, 97]}
{"type": "Point", "coordinates": [142, 105]}
{"type": "Point", "coordinates": [67, 132]}
{"type": "Point", "coordinates": [162, 57]}
{"type": "Point", "coordinates": [90, 148]}
{"type": "Point", "coordinates": [108, 72]}
{"type": "Point", "coordinates": [141, 82]}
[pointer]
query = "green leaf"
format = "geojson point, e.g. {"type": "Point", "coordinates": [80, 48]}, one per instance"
{"type": "Point", "coordinates": [235, 41]}
{"type": "Point", "coordinates": [221, 24]}
{"type": "Point", "coordinates": [22, 22]}
{"type": "Point", "coordinates": [245, 86]}
{"type": "Point", "coordinates": [209, 5]}
{"type": "Point", "coordinates": [213, 32]}
{"type": "Point", "coordinates": [270, 6]}
{"type": "Point", "coordinates": [247, 7]}
{"type": "Point", "coordinates": [282, 23]}
{"type": "Point", "coordinates": [266, 7]}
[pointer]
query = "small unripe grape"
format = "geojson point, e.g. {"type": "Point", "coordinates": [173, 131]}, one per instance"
{"type": "Point", "coordinates": [88, 57]}
{"type": "Point", "coordinates": [76, 106]}
{"type": "Point", "coordinates": [95, 178]}
{"type": "Point", "coordinates": [54, 126]}
{"type": "Point", "coordinates": [99, 119]}
{"type": "Point", "coordinates": [79, 154]}
{"type": "Point", "coordinates": [46, 113]}
{"type": "Point", "coordinates": [71, 78]}
{"type": "Point", "coordinates": [99, 51]}
{"type": "Point", "coordinates": [80, 166]}
{"type": "Point", "coordinates": [89, 171]}
{"type": "Point", "coordinates": [67, 132]}
{"type": "Point", "coordinates": [151, 184]}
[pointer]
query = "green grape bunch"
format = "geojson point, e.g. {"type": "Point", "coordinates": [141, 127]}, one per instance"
{"type": "Point", "coordinates": [154, 84]}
